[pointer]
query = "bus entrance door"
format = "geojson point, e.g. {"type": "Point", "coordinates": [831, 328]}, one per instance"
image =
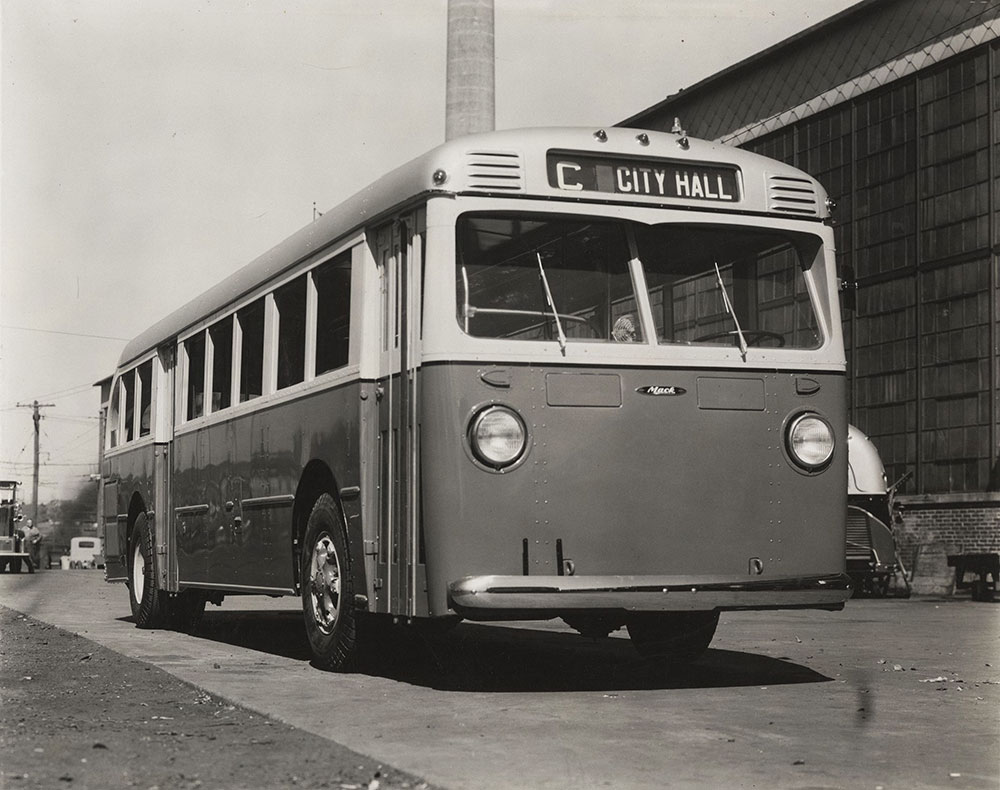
{"type": "Point", "coordinates": [398, 253]}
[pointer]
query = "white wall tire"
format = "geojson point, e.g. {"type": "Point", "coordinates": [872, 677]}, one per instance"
{"type": "Point", "coordinates": [148, 603]}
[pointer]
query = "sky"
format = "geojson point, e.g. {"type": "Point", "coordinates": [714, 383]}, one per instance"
{"type": "Point", "coordinates": [149, 149]}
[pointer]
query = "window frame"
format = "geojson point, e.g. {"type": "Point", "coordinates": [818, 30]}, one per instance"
{"type": "Point", "coordinates": [354, 248]}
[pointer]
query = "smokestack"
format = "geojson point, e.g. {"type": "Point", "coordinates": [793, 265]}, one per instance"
{"type": "Point", "coordinates": [469, 88]}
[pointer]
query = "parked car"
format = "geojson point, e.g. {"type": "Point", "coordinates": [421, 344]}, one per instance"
{"type": "Point", "coordinates": [872, 559]}
{"type": "Point", "coordinates": [86, 552]}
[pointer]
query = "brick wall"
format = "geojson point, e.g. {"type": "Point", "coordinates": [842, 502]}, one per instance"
{"type": "Point", "coordinates": [934, 527]}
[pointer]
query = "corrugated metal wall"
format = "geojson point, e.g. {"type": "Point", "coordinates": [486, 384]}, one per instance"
{"type": "Point", "coordinates": [909, 146]}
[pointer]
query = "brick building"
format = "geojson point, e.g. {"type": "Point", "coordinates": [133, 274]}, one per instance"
{"type": "Point", "coordinates": [894, 105]}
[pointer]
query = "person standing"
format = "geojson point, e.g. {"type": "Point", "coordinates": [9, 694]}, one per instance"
{"type": "Point", "coordinates": [33, 541]}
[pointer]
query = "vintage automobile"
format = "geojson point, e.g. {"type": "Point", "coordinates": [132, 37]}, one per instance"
{"type": "Point", "coordinates": [872, 559]}
{"type": "Point", "coordinates": [86, 552]}
{"type": "Point", "coordinates": [13, 553]}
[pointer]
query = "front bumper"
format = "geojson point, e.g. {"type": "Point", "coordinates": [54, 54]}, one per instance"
{"type": "Point", "coordinates": [502, 597]}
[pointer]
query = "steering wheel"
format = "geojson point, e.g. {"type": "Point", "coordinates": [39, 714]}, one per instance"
{"type": "Point", "coordinates": [751, 336]}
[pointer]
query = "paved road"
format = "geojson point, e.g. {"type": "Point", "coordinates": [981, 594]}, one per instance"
{"type": "Point", "coordinates": [891, 694]}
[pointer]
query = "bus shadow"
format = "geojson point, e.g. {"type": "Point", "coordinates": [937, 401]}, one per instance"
{"type": "Point", "coordinates": [277, 633]}
{"type": "Point", "coordinates": [501, 659]}
{"type": "Point", "coordinates": [473, 657]}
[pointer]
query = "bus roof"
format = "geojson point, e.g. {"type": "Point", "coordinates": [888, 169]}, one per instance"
{"type": "Point", "coordinates": [522, 162]}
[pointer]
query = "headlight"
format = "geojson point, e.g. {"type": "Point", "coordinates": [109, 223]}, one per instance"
{"type": "Point", "coordinates": [810, 441]}
{"type": "Point", "coordinates": [497, 436]}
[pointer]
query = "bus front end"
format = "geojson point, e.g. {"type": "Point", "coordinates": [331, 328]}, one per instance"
{"type": "Point", "coordinates": [633, 393]}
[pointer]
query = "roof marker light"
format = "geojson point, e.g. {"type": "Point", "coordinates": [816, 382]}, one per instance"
{"type": "Point", "coordinates": [677, 129]}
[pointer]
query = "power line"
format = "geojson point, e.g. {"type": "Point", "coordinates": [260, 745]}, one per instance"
{"type": "Point", "coordinates": [57, 394]}
{"type": "Point", "coordinates": [60, 332]}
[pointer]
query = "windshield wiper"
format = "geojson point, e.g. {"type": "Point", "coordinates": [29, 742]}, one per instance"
{"type": "Point", "coordinates": [731, 311]}
{"type": "Point", "coordinates": [552, 304]}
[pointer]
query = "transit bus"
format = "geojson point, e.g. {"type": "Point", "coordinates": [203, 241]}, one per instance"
{"type": "Point", "coordinates": [595, 375]}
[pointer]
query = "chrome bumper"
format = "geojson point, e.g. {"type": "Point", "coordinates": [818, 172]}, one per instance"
{"type": "Point", "coordinates": [490, 596]}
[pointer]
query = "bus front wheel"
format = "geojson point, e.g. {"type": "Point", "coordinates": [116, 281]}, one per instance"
{"type": "Point", "coordinates": [149, 604]}
{"type": "Point", "coordinates": [679, 637]}
{"type": "Point", "coordinates": [328, 588]}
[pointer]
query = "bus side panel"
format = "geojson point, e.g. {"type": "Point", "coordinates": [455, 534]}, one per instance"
{"type": "Point", "coordinates": [128, 474]}
{"type": "Point", "coordinates": [235, 483]}
{"type": "Point", "coordinates": [692, 484]}
{"type": "Point", "coordinates": [191, 510]}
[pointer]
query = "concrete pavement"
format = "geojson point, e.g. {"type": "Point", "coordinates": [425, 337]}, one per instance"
{"type": "Point", "coordinates": [888, 693]}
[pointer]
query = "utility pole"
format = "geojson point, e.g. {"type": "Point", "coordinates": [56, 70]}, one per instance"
{"type": "Point", "coordinates": [37, 417]}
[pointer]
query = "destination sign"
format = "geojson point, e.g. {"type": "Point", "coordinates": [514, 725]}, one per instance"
{"type": "Point", "coordinates": [574, 172]}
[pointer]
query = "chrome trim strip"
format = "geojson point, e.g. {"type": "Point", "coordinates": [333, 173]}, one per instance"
{"type": "Point", "coordinates": [645, 593]}
{"type": "Point", "coordinates": [279, 500]}
{"type": "Point", "coordinates": [191, 510]}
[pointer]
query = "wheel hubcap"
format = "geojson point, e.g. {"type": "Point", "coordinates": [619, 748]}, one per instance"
{"type": "Point", "coordinates": [138, 572]}
{"type": "Point", "coordinates": [324, 583]}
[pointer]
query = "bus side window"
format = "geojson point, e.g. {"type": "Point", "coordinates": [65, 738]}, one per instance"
{"type": "Point", "coordinates": [128, 380]}
{"type": "Point", "coordinates": [222, 364]}
{"type": "Point", "coordinates": [114, 416]}
{"type": "Point", "coordinates": [251, 324]}
{"type": "Point", "coordinates": [333, 313]}
{"type": "Point", "coordinates": [145, 372]}
{"type": "Point", "coordinates": [195, 349]}
{"type": "Point", "coordinates": [290, 301]}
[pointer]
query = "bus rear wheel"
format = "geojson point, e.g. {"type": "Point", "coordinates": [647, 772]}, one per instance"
{"type": "Point", "coordinates": [678, 637]}
{"type": "Point", "coordinates": [186, 610]}
{"type": "Point", "coordinates": [149, 604]}
{"type": "Point", "coordinates": [328, 588]}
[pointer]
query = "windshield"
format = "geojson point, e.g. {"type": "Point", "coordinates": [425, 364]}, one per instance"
{"type": "Point", "coordinates": [570, 279]}
{"type": "Point", "coordinates": [530, 277]}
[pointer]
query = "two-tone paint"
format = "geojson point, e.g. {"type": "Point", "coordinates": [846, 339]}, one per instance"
{"type": "Point", "coordinates": [656, 477]}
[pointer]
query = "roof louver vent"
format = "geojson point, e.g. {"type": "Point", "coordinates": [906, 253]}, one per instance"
{"type": "Point", "coordinates": [494, 171]}
{"type": "Point", "coordinates": [792, 195]}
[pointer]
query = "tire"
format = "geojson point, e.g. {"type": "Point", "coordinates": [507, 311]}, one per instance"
{"type": "Point", "coordinates": [149, 604]}
{"type": "Point", "coordinates": [328, 588]}
{"type": "Point", "coordinates": [594, 626]}
{"type": "Point", "coordinates": [678, 637]}
{"type": "Point", "coordinates": [186, 610]}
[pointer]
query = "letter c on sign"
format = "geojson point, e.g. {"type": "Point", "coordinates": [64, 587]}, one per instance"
{"type": "Point", "coordinates": [561, 168]}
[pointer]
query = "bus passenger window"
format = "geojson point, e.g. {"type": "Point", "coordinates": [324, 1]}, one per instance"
{"type": "Point", "coordinates": [195, 349]}
{"type": "Point", "coordinates": [333, 313]}
{"type": "Point", "coordinates": [222, 364]}
{"type": "Point", "coordinates": [145, 372]}
{"type": "Point", "coordinates": [251, 319]}
{"type": "Point", "coordinates": [114, 416]}
{"type": "Point", "coordinates": [291, 303]}
{"type": "Point", "coordinates": [128, 380]}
